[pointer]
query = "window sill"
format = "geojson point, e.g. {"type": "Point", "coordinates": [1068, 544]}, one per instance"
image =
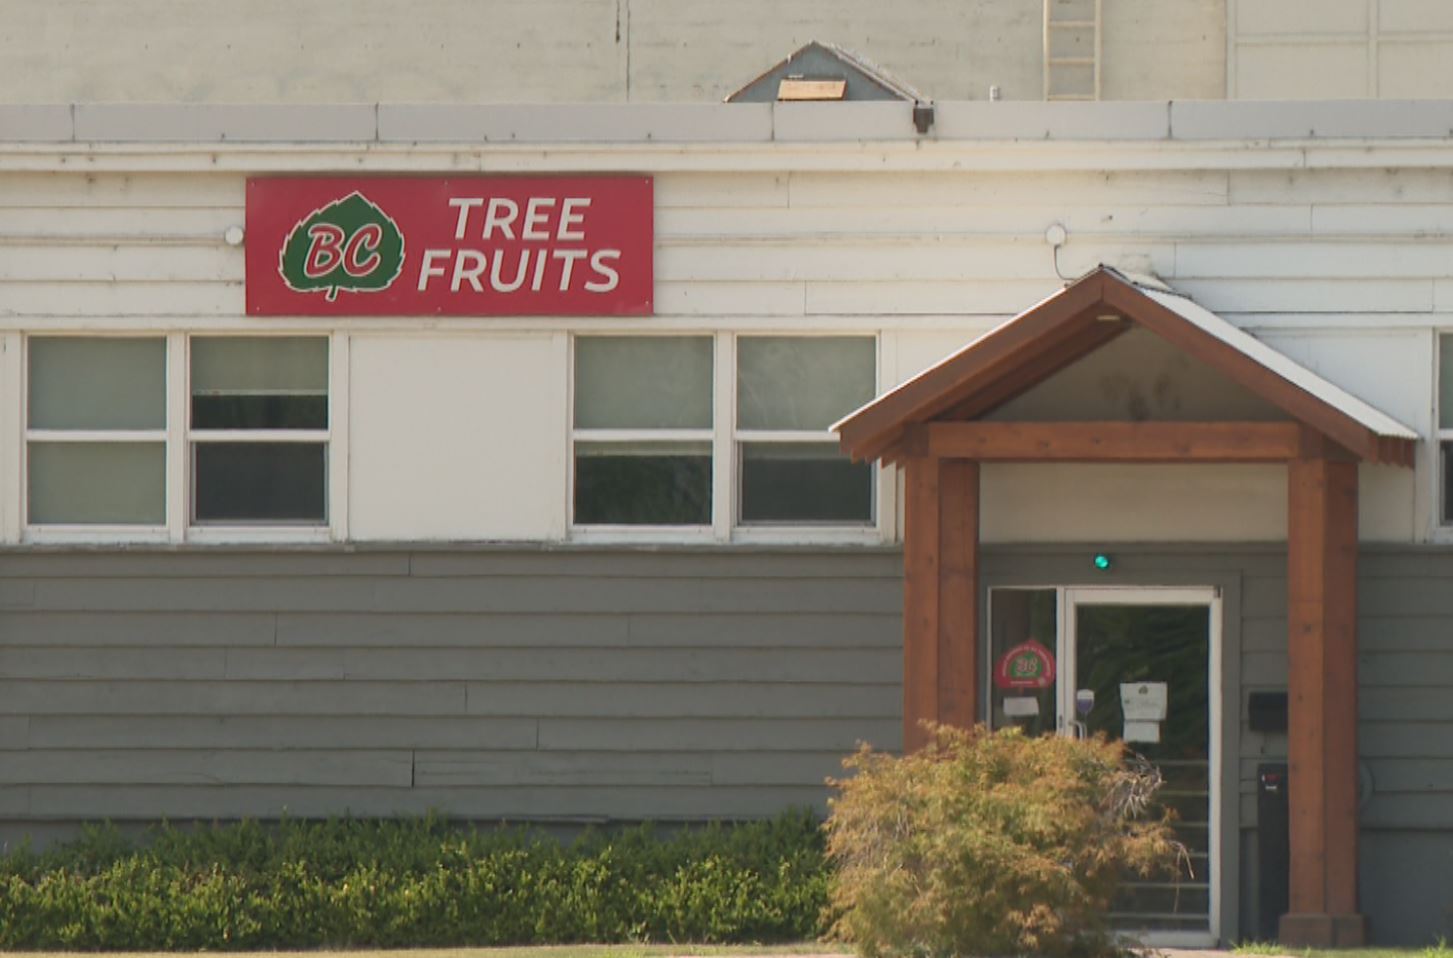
{"type": "Point", "coordinates": [639, 535]}
{"type": "Point", "coordinates": [742, 535]}
{"type": "Point", "coordinates": [262, 535]}
{"type": "Point", "coordinates": [89, 535]}
{"type": "Point", "coordinates": [808, 535]}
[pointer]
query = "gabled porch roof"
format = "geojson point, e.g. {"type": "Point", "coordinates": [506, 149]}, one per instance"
{"type": "Point", "coordinates": [1086, 315]}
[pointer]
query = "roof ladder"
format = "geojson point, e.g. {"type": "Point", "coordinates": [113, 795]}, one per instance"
{"type": "Point", "coordinates": [1072, 49]}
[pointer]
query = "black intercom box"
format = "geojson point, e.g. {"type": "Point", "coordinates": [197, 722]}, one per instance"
{"type": "Point", "coordinates": [1273, 848]}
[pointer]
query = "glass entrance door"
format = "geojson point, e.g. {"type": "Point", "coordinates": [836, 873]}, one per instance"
{"type": "Point", "coordinates": [1141, 662]}
{"type": "Point", "coordinates": [1139, 665]}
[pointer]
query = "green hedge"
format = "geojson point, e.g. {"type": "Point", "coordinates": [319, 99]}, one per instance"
{"type": "Point", "coordinates": [414, 882]}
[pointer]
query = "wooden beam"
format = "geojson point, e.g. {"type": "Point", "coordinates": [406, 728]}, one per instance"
{"type": "Point", "coordinates": [1053, 334]}
{"type": "Point", "coordinates": [1079, 344]}
{"type": "Point", "coordinates": [1236, 366]}
{"type": "Point", "coordinates": [875, 426]}
{"type": "Point", "coordinates": [958, 617]}
{"type": "Point", "coordinates": [1111, 441]}
{"type": "Point", "coordinates": [940, 596]}
{"type": "Point", "coordinates": [1322, 702]}
{"type": "Point", "coordinates": [920, 597]}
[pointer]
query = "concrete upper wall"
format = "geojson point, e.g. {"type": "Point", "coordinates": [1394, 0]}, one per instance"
{"type": "Point", "coordinates": [551, 51]}
{"type": "Point", "coordinates": [537, 51]}
{"type": "Point", "coordinates": [1399, 49]}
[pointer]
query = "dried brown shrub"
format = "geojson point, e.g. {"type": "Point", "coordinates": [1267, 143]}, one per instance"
{"type": "Point", "coordinates": [991, 843]}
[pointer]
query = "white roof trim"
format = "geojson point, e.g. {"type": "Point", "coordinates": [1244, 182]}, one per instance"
{"type": "Point", "coordinates": [1258, 124]}
{"type": "Point", "coordinates": [1285, 367]}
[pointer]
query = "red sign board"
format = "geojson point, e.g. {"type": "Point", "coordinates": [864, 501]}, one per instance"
{"type": "Point", "coordinates": [450, 246]}
{"type": "Point", "coordinates": [1029, 665]}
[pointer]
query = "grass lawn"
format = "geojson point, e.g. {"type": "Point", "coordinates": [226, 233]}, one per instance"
{"type": "Point", "coordinates": [542, 951]}
{"type": "Point", "coordinates": [1440, 950]}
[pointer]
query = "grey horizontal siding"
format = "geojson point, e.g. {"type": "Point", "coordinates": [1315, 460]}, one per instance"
{"type": "Point", "coordinates": [799, 666]}
{"type": "Point", "coordinates": [596, 594]}
{"type": "Point", "coordinates": [517, 683]}
{"type": "Point", "coordinates": [592, 683]}
{"type": "Point", "coordinates": [595, 802]}
{"type": "Point", "coordinates": [233, 731]}
{"type": "Point", "coordinates": [465, 561]}
{"type": "Point", "coordinates": [121, 766]}
{"type": "Point", "coordinates": [1405, 699]}
{"type": "Point", "coordinates": [1405, 679]}
{"type": "Point", "coordinates": [52, 629]}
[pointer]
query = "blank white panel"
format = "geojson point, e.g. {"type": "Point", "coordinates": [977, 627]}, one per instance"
{"type": "Point", "coordinates": [1301, 16]}
{"type": "Point", "coordinates": [1414, 16]}
{"type": "Point", "coordinates": [457, 438]}
{"type": "Point", "coordinates": [1387, 504]}
{"type": "Point", "coordinates": [1391, 370]}
{"type": "Point", "coordinates": [1287, 71]}
{"type": "Point", "coordinates": [1416, 71]}
{"type": "Point", "coordinates": [1133, 503]}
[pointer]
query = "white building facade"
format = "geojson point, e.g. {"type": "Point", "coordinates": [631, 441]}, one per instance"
{"type": "Point", "coordinates": [613, 566]}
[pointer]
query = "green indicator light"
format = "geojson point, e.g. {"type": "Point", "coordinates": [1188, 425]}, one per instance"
{"type": "Point", "coordinates": [1102, 562]}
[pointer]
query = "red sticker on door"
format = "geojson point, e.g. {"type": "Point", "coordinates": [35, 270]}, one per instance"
{"type": "Point", "coordinates": [1029, 665]}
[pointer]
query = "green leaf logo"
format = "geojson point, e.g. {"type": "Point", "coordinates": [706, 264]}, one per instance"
{"type": "Point", "coordinates": [350, 244]}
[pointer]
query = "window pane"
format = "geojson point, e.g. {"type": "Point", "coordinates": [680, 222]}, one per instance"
{"type": "Point", "coordinates": [649, 483]}
{"type": "Point", "coordinates": [255, 382]}
{"type": "Point", "coordinates": [259, 481]}
{"type": "Point", "coordinates": [1448, 483]}
{"type": "Point", "coordinates": [804, 482]}
{"type": "Point", "coordinates": [259, 412]}
{"type": "Point", "coordinates": [1445, 382]}
{"type": "Point", "coordinates": [1017, 616]}
{"type": "Point", "coordinates": [802, 382]}
{"type": "Point", "coordinates": [98, 483]}
{"type": "Point", "coordinates": [94, 383]}
{"type": "Point", "coordinates": [643, 382]}
{"type": "Point", "coordinates": [259, 364]}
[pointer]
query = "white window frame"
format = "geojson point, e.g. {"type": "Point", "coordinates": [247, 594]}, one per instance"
{"type": "Point", "coordinates": [602, 532]}
{"type": "Point", "coordinates": [726, 440]}
{"type": "Point", "coordinates": [88, 532]}
{"type": "Point", "coordinates": [865, 533]}
{"type": "Point", "coordinates": [177, 437]}
{"type": "Point", "coordinates": [254, 531]}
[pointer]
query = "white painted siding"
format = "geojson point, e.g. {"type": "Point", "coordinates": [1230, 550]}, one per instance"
{"type": "Point", "coordinates": [457, 437]}
{"type": "Point", "coordinates": [1133, 503]}
{"type": "Point", "coordinates": [1344, 269]}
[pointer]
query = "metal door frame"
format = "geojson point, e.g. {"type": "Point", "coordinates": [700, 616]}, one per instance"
{"type": "Point", "coordinates": [1074, 596]}
{"type": "Point", "coordinates": [1067, 598]}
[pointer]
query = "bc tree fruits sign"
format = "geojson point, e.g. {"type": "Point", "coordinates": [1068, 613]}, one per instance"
{"type": "Point", "coordinates": [465, 246]}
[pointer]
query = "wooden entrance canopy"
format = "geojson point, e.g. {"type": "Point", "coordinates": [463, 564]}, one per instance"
{"type": "Point", "coordinates": [932, 426]}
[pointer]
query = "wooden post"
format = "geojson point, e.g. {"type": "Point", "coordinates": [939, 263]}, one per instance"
{"type": "Point", "coordinates": [940, 595]}
{"type": "Point", "coordinates": [1322, 700]}
{"type": "Point", "coordinates": [958, 570]}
